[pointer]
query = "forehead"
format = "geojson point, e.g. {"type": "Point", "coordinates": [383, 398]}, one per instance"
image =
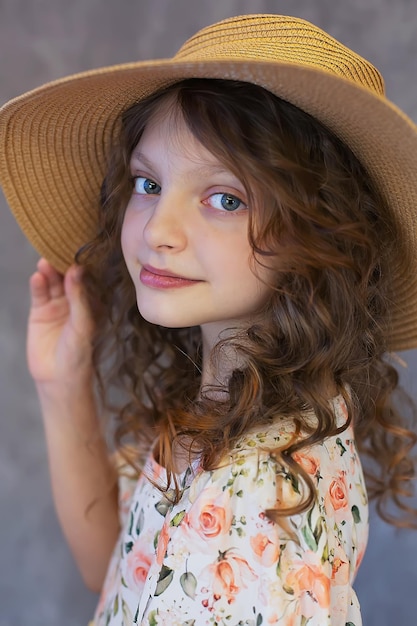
{"type": "Point", "coordinates": [189, 126]}
{"type": "Point", "coordinates": [167, 131]}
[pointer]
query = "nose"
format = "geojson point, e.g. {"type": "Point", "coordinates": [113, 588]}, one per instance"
{"type": "Point", "coordinates": [165, 226]}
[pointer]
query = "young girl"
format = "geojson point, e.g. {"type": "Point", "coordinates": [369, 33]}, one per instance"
{"type": "Point", "coordinates": [232, 300]}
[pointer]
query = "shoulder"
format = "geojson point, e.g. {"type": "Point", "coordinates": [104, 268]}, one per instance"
{"type": "Point", "coordinates": [221, 551]}
{"type": "Point", "coordinates": [255, 478]}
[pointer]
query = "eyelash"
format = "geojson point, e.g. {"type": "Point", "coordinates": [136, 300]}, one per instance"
{"type": "Point", "coordinates": [227, 196]}
{"type": "Point", "coordinates": [134, 179]}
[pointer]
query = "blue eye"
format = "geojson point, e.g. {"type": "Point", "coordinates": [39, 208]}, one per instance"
{"type": "Point", "coordinates": [226, 202]}
{"type": "Point", "coordinates": [144, 185]}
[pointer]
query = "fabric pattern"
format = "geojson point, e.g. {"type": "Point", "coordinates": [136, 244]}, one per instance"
{"type": "Point", "coordinates": [215, 558]}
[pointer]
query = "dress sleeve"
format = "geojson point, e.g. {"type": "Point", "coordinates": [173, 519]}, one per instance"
{"type": "Point", "coordinates": [225, 562]}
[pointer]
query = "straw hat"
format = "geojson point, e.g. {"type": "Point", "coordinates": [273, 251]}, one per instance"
{"type": "Point", "coordinates": [54, 140]}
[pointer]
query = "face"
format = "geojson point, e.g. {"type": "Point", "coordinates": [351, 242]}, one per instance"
{"type": "Point", "coordinates": [185, 234]}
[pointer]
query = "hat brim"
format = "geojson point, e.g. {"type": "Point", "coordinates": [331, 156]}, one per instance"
{"type": "Point", "coordinates": [55, 141]}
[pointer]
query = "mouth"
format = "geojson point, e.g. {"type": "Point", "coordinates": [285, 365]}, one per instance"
{"type": "Point", "coordinates": [163, 272]}
{"type": "Point", "coordinates": [163, 278]}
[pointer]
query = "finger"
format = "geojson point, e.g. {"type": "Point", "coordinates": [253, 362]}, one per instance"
{"type": "Point", "coordinates": [79, 309]}
{"type": "Point", "coordinates": [54, 278]}
{"type": "Point", "coordinates": [39, 290]}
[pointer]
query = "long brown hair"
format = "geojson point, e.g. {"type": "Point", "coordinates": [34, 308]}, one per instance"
{"type": "Point", "coordinates": [318, 220]}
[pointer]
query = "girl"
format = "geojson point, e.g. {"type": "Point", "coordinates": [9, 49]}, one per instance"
{"type": "Point", "coordinates": [249, 267]}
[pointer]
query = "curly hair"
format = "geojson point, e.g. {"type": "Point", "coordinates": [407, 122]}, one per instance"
{"type": "Point", "coordinates": [317, 218]}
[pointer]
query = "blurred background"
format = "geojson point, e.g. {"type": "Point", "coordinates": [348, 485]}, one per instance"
{"type": "Point", "coordinates": [41, 40]}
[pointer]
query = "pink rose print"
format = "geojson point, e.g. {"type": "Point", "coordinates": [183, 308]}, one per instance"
{"type": "Point", "coordinates": [337, 497]}
{"type": "Point", "coordinates": [265, 548]}
{"type": "Point", "coordinates": [138, 563]}
{"type": "Point", "coordinates": [210, 514]}
{"type": "Point", "coordinates": [310, 581]}
{"type": "Point", "coordinates": [163, 539]}
{"type": "Point", "coordinates": [227, 577]}
{"type": "Point", "coordinates": [309, 463]}
{"type": "Point", "coordinates": [340, 569]}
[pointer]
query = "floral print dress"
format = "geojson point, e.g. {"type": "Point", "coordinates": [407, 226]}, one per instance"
{"type": "Point", "coordinates": [215, 558]}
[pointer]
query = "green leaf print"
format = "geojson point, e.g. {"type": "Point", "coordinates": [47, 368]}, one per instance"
{"type": "Point", "coordinates": [189, 583]}
{"type": "Point", "coordinates": [342, 448]}
{"type": "Point", "coordinates": [294, 482]}
{"type": "Point", "coordinates": [165, 579]}
{"type": "Point", "coordinates": [309, 538]}
{"type": "Point", "coordinates": [127, 615]}
{"type": "Point", "coordinates": [281, 551]}
{"type": "Point", "coordinates": [128, 546]}
{"type": "Point", "coordinates": [356, 515]}
{"type": "Point", "coordinates": [349, 624]}
{"type": "Point", "coordinates": [152, 618]}
{"type": "Point", "coordinates": [318, 529]}
{"type": "Point", "coordinates": [139, 523]}
{"type": "Point", "coordinates": [116, 605]}
{"type": "Point", "coordinates": [187, 475]}
{"type": "Point", "coordinates": [259, 620]}
{"type": "Point", "coordinates": [163, 506]}
{"type": "Point", "coordinates": [177, 519]}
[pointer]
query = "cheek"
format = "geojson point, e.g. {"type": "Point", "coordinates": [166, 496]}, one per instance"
{"type": "Point", "coordinates": [129, 238]}
{"type": "Point", "coordinates": [240, 264]}
{"type": "Point", "coordinates": [124, 241]}
{"type": "Point", "coordinates": [259, 280]}
{"type": "Point", "coordinates": [233, 254]}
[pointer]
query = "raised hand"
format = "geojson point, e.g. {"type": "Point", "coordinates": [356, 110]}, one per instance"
{"type": "Point", "coordinates": [60, 326]}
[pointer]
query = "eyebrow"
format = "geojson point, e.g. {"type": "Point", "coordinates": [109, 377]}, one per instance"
{"type": "Point", "coordinates": [137, 155]}
{"type": "Point", "coordinates": [204, 169]}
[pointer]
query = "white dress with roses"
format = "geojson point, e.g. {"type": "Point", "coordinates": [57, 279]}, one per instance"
{"type": "Point", "coordinates": [215, 558]}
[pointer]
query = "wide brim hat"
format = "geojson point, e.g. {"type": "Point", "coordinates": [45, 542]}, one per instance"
{"type": "Point", "coordinates": [54, 140]}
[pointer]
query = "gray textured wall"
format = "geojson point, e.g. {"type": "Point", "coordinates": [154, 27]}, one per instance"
{"type": "Point", "coordinates": [44, 39]}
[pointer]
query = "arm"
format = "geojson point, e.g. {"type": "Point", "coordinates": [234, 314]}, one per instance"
{"type": "Point", "coordinates": [83, 478]}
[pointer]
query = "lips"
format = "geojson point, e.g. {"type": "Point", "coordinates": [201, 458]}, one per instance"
{"type": "Point", "coordinates": [163, 278]}
{"type": "Point", "coordinates": [163, 272]}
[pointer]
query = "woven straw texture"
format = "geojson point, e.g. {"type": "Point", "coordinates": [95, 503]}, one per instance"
{"type": "Point", "coordinates": [54, 140]}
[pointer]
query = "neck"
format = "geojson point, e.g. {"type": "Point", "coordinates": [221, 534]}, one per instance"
{"type": "Point", "coordinates": [217, 367]}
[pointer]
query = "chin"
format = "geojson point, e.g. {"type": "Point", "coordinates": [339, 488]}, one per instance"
{"type": "Point", "coordinates": [166, 321]}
